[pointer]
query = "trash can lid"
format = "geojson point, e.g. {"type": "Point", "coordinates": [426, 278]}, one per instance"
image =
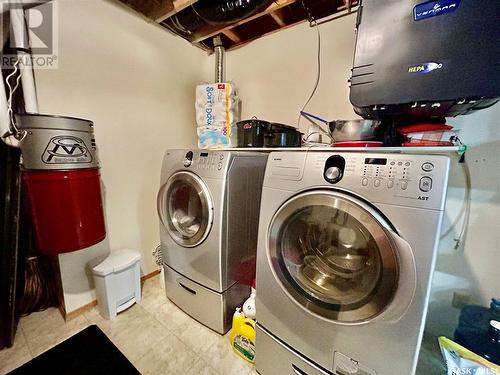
{"type": "Point", "coordinates": [117, 261]}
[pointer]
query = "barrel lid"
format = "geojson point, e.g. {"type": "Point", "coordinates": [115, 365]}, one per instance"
{"type": "Point", "coordinates": [43, 121]}
{"type": "Point", "coordinates": [117, 261]}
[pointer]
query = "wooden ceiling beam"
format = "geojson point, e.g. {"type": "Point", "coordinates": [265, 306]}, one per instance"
{"type": "Point", "coordinates": [276, 17]}
{"type": "Point", "coordinates": [172, 7]}
{"type": "Point", "coordinates": [231, 34]}
{"type": "Point", "coordinates": [158, 10]}
{"type": "Point", "coordinates": [284, 14]}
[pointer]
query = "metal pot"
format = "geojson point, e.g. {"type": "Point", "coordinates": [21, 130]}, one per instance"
{"type": "Point", "coordinates": [250, 133]}
{"type": "Point", "coordinates": [354, 130]}
{"type": "Point", "coordinates": [279, 135]}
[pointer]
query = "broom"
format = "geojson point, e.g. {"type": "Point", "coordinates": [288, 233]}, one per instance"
{"type": "Point", "coordinates": [40, 287]}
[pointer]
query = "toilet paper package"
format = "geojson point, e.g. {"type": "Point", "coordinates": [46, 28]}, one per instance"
{"type": "Point", "coordinates": [216, 109]}
{"type": "Point", "coordinates": [213, 137]}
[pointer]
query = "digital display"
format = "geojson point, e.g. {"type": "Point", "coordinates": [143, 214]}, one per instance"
{"type": "Point", "coordinates": [204, 154]}
{"type": "Point", "coordinates": [376, 161]}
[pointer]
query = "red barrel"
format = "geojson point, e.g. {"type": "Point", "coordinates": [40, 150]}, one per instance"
{"type": "Point", "coordinates": [66, 209]}
{"type": "Point", "coordinates": [60, 170]}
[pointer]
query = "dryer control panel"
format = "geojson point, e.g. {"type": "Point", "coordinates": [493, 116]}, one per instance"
{"type": "Point", "coordinates": [208, 160]}
{"type": "Point", "coordinates": [209, 164]}
{"type": "Point", "coordinates": [204, 163]}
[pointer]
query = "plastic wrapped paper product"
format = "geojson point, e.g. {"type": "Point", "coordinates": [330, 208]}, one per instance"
{"type": "Point", "coordinates": [461, 361]}
{"type": "Point", "coordinates": [213, 137]}
{"type": "Point", "coordinates": [216, 110]}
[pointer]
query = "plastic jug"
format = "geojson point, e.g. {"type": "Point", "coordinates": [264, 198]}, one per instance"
{"type": "Point", "coordinates": [479, 330]}
{"type": "Point", "coordinates": [243, 336]}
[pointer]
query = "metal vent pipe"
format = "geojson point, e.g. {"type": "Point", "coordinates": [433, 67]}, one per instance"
{"type": "Point", "coordinates": [220, 63]}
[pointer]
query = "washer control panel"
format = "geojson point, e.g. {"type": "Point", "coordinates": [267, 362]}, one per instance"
{"type": "Point", "coordinates": [396, 172]}
{"type": "Point", "coordinates": [393, 178]}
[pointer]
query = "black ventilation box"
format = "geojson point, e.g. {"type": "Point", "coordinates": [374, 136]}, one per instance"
{"type": "Point", "coordinates": [424, 59]}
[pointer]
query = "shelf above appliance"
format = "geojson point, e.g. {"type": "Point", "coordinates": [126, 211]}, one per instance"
{"type": "Point", "coordinates": [394, 150]}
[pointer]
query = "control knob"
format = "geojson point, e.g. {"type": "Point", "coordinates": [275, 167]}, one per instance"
{"type": "Point", "coordinates": [189, 159]}
{"type": "Point", "coordinates": [333, 174]}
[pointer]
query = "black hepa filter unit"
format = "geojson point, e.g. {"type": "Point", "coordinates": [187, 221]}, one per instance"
{"type": "Point", "coordinates": [425, 59]}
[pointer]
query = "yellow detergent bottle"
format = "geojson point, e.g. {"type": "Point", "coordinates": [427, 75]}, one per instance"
{"type": "Point", "coordinates": [243, 336]}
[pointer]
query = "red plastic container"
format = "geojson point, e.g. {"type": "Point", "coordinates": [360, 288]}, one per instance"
{"type": "Point", "coordinates": [66, 208]}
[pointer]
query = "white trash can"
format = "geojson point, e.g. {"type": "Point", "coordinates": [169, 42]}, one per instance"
{"type": "Point", "coordinates": [118, 282]}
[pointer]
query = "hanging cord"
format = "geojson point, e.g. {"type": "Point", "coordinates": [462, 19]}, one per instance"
{"type": "Point", "coordinates": [313, 22]}
{"type": "Point", "coordinates": [312, 119]}
{"type": "Point", "coordinates": [14, 130]}
{"type": "Point", "coordinates": [466, 208]}
{"type": "Point", "coordinates": [468, 201]}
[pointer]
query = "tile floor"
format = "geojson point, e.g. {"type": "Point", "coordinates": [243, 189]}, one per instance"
{"type": "Point", "coordinates": [156, 337]}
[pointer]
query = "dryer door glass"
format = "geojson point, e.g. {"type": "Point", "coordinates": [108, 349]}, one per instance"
{"type": "Point", "coordinates": [333, 256]}
{"type": "Point", "coordinates": [187, 210]}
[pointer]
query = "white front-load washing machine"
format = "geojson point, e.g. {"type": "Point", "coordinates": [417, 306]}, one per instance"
{"type": "Point", "coordinates": [346, 250]}
{"type": "Point", "coordinates": [208, 205]}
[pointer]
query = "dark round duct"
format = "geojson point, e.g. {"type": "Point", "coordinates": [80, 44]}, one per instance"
{"type": "Point", "coordinates": [229, 11]}
{"type": "Point", "coordinates": [184, 22]}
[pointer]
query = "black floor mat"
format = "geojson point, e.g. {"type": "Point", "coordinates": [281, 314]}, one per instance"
{"type": "Point", "coordinates": [88, 352]}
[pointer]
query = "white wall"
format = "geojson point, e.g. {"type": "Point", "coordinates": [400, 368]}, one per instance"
{"type": "Point", "coordinates": [474, 268]}
{"type": "Point", "coordinates": [136, 82]}
{"type": "Point", "coordinates": [275, 76]}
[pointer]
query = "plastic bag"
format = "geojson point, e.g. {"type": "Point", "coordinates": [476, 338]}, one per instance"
{"type": "Point", "coordinates": [461, 361]}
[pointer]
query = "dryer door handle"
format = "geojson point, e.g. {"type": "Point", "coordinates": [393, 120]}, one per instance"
{"type": "Point", "coordinates": [407, 281]}
{"type": "Point", "coordinates": [160, 201]}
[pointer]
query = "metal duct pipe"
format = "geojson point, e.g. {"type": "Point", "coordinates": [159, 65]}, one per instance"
{"type": "Point", "coordinates": [220, 63]}
{"type": "Point", "coordinates": [22, 45]}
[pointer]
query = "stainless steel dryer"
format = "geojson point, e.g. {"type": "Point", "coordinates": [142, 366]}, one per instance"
{"type": "Point", "coordinates": [347, 247]}
{"type": "Point", "coordinates": [208, 205]}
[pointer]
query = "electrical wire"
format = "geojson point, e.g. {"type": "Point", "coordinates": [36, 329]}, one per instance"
{"type": "Point", "coordinates": [318, 74]}
{"type": "Point", "coordinates": [14, 129]}
{"type": "Point", "coordinates": [468, 201]}
{"type": "Point", "coordinates": [464, 213]}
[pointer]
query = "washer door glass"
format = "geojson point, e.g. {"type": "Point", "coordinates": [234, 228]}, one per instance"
{"type": "Point", "coordinates": [186, 209]}
{"type": "Point", "coordinates": [333, 256]}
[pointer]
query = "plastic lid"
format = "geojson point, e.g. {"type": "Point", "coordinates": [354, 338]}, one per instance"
{"type": "Point", "coordinates": [117, 261]}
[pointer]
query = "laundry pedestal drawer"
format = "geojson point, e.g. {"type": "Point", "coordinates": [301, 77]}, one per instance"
{"type": "Point", "coordinates": [280, 359]}
{"type": "Point", "coordinates": [205, 305]}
